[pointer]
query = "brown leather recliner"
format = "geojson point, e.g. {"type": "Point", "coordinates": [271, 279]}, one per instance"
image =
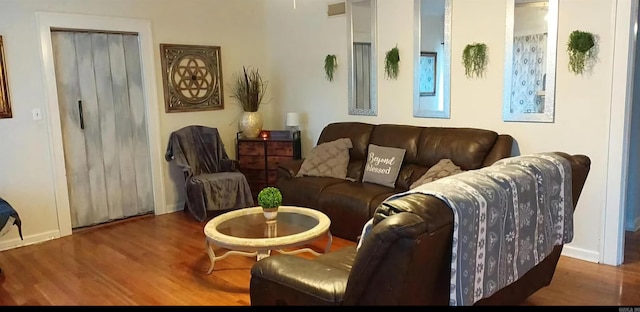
{"type": "Point", "coordinates": [404, 260]}
{"type": "Point", "coordinates": [351, 203]}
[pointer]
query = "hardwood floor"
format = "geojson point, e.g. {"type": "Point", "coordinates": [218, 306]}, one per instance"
{"type": "Point", "coordinates": [161, 260]}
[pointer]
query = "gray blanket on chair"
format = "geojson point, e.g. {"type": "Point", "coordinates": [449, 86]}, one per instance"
{"type": "Point", "coordinates": [507, 218]}
{"type": "Point", "coordinates": [211, 180]}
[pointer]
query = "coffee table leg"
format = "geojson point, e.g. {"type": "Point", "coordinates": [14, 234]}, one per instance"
{"type": "Point", "coordinates": [212, 256]}
{"type": "Point", "coordinates": [263, 254]}
{"type": "Point", "coordinates": [329, 241]}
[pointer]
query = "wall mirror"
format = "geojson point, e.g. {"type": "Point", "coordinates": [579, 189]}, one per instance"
{"type": "Point", "coordinates": [530, 60]}
{"type": "Point", "coordinates": [361, 30]}
{"type": "Point", "coordinates": [432, 61]}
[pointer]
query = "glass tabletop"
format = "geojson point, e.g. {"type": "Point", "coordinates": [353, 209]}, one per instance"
{"type": "Point", "coordinates": [248, 229]}
{"type": "Point", "coordinates": [254, 225]}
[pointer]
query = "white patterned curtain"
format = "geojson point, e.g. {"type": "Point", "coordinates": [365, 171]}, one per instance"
{"type": "Point", "coordinates": [528, 73]}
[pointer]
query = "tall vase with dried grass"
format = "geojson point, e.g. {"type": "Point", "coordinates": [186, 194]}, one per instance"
{"type": "Point", "coordinates": [249, 89]}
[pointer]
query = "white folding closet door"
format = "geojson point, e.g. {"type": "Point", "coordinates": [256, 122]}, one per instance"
{"type": "Point", "coordinates": [103, 126]}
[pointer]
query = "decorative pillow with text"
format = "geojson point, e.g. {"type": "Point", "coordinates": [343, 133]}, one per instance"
{"type": "Point", "coordinates": [383, 165]}
{"type": "Point", "coordinates": [444, 168]}
{"type": "Point", "coordinates": [329, 159]}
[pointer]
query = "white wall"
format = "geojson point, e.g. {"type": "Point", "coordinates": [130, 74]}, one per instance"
{"type": "Point", "coordinates": [299, 39]}
{"type": "Point", "coordinates": [25, 162]}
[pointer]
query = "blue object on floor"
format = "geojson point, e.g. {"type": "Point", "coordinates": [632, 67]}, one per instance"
{"type": "Point", "coordinates": [8, 218]}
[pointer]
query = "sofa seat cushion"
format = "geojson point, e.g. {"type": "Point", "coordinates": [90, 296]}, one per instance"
{"type": "Point", "coordinates": [353, 201]}
{"type": "Point", "coordinates": [342, 258]}
{"type": "Point", "coordinates": [304, 191]}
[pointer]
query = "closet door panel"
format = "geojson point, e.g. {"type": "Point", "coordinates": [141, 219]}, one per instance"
{"type": "Point", "coordinates": [124, 132]}
{"type": "Point", "coordinates": [104, 91]}
{"type": "Point", "coordinates": [93, 138]}
{"type": "Point", "coordinates": [139, 124]}
{"type": "Point", "coordinates": [68, 86]}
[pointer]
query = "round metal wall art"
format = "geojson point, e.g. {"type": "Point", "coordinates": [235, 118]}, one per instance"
{"type": "Point", "coordinates": [192, 77]}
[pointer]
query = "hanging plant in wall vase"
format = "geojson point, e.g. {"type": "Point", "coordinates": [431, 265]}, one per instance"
{"type": "Point", "coordinates": [581, 49]}
{"type": "Point", "coordinates": [475, 59]}
{"type": "Point", "coordinates": [330, 65]}
{"type": "Point", "coordinates": [391, 63]}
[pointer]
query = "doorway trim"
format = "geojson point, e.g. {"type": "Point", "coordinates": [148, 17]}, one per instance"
{"type": "Point", "coordinates": [612, 235]}
{"type": "Point", "coordinates": [45, 22]}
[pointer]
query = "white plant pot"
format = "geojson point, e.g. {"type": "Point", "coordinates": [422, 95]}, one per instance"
{"type": "Point", "coordinates": [270, 214]}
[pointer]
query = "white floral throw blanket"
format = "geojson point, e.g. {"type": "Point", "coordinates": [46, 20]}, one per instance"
{"type": "Point", "coordinates": [507, 218]}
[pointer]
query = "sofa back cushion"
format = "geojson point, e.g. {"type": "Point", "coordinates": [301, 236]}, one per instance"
{"type": "Point", "coordinates": [424, 146]}
{"type": "Point", "coordinates": [466, 147]}
{"type": "Point", "coordinates": [359, 133]}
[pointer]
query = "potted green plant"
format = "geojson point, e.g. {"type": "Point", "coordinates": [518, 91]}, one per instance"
{"type": "Point", "coordinates": [391, 63]}
{"type": "Point", "coordinates": [249, 89]}
{"type": "Point", "coordinates": [330, 64]}
{"type": "Point", "coordinates": [474, 59]}
{"type": "Point", "coordinates": [580, 48]}
{"type": "Point", "coordinates": [270, 200]}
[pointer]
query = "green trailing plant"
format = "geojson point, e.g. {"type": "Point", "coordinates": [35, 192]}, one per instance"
{"type": "Point", "coordinates": [391, 63]}
{"type": "Point", "coordinates": [580, 49]}
{"type": "Point", "coordinates": [269, 198]}
{"type": "Point", "coordinates": [474, 58]}
{"type": "Point", "coordinates": [330, 64]}
{"type": "Point", "coordinates": [249, 89]}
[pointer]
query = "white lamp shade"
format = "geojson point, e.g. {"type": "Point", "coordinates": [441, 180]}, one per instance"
{"type": "Point", "coordinates": [292, 120]}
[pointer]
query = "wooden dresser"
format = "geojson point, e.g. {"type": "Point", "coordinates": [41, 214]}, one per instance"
{"type": "Point", "coordinates": [259, 157]}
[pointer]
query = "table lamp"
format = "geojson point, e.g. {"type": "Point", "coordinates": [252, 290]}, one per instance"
{"type": "Point", "coordinates": [293, 122]}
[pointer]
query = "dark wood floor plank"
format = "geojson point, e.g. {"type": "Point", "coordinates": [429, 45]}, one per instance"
{"type": "Point", "coordinates": [161, 261]}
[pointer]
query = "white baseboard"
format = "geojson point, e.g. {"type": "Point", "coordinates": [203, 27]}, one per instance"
{"type": "Point", "coordinates": [636, 224]}
{"type": "Point", "coordinates": [29, 240]}
{"type": "Point", "coordinates": [582, 254]}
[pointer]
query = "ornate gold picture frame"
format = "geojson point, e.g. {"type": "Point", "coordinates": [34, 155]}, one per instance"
{"type": "Point", "coordinates": [5, 104]}
{"type": "Point", "coordinates": [192, 77]}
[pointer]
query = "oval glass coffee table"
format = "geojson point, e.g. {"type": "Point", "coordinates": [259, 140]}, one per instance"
{"type": "Point", "coordinates": [247, 232]}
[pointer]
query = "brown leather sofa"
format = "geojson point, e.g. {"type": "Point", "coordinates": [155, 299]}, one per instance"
{"type": "Point", "coordinates": [404, 260]}
{"type": "Point", "coordinates": [349, 204]}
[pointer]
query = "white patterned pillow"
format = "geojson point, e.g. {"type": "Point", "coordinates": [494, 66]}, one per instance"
{"type": "Point", "coordinates": [444, 168]}
{"type": "Point", "coordinates": [329, 159]}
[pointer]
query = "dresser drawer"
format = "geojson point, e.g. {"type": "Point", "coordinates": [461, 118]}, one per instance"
{"type": "Point", "coordinates": [251, 162]}
{"type": "Point", "coordinates": [251, 148]}
{"type": "Point", "coordinates": [280, 148]}
{"type": "Point", "coordinates": [274, 161]}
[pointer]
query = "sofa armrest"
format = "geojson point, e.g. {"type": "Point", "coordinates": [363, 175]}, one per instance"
{"type": "Point", "coordinates": [288, 169]}
{"type": "Point", "coordinates": [292, 280]}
